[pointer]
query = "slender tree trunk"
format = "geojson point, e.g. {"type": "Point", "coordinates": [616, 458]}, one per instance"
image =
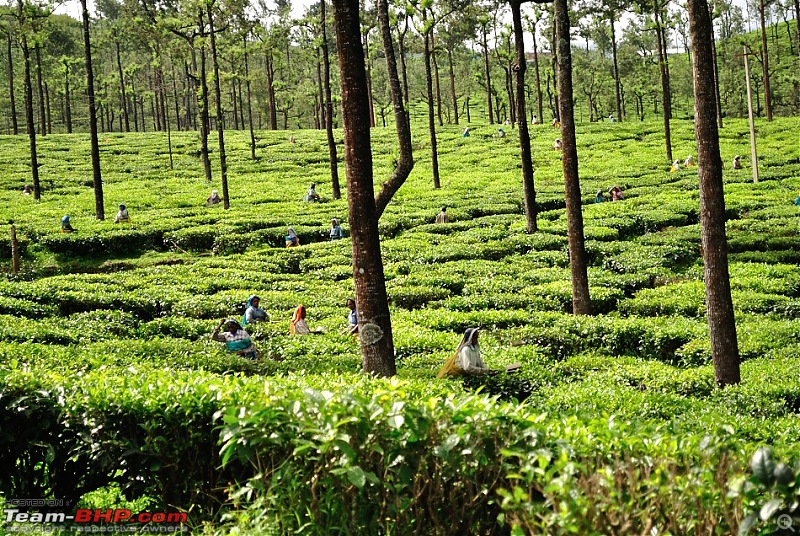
{"type": "Point", "coordinates": [249, 100]}
{"type": "Point", "coordinates": [721, 321]}
{"type": "Point", "coordinates": [123, 97]}
{"type": "Point", "coordinates": [241, 101]}
{"type": "Point", "coordinates": [133, 105]}
{"type": "Point", "coordinates": [48, 110]}
{"type": "Point", "coordinates": [437, 86]}
{"type": "Point", "coordinates": [374, 323]}
{"type": "Point", "coordinates": [401, 45]}
{"type": "Point", "coordinates": [202, 103]}
{"type": "Point", "coordinates": [368, 65]}
{"type": "Point", "coordinates": [319, 112]}
{"type": "Point", "coordinates": [40, 86]}
{"type": "Point", "coordinates": [616, 71]}
{"type": "Point", "coordinates": [538, 80]}
{"type": "Point", "coordinates": [665, 96]}
{"type": "Point", "coordinates": [581, 304]}
{"type": "Point", "coordinates": [273, 107]}
{"type": "Point", "coordinates": [717, 98]}
{"type": "Point", "coordinates": [326, 86]}
{"type": "Point", "coordinates": [29, 120]}
{"type": "Point", "coordinates": [405, 160]}
{"type": "Point", "coordinates": [67, 98]}
{"type": "Point", "coordinates": [14, 123]}
{"type": "Point", "coordinates": [235, 105]}
{"type": "Point", "coordinates": [97, 180]}
{"type": "Point", "coordinates": [431, 117]}
{"type": "Point", "coordinates": [223, 162]}
{"type": "Point", "coordinates": [488, 76]}
{"type": "Point", "coordinates": [452, 83]}
{"type": "Point", "coordinates": [765, 61]}
{"type": "Point", "coordinates": [528, 188]}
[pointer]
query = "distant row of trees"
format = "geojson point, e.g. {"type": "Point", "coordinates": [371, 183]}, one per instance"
{"type": "Point", "coordinates": [455, 57]}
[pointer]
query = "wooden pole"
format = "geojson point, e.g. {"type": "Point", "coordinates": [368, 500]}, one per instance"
{"type": "Point", "coordinates": [14, 250]}
{"type": "Point", "coordinates": [753, 154]}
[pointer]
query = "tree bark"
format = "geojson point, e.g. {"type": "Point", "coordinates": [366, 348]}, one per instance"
{"type": "Point", "coordinates": [97, 180]}
{"type": "Point", "coordinates": [48, 110]}
{"type": "Point", "coordinates": [405, 160]}
{"type": "Point", "coordinates": [29, 120]}
{"type": "Point", "coordinates": [488, 76]}
{"type": "Point", "coordinates": [581, 304]}
{"type": "Point", "coordinates": [124, 98]}
{"type": "Point", "coordinates": [431, 117]}
{"type": "Point", "coordinates": [67, 98]}
{"type": "Point", "coordinates": [40, 87]}
{"type": "Point", "coordinates": [538, 80]}
{"type": "Point", "coordinates": [721, 321]}
{"type": "Point", "coordinates": [765, 61]}
{"type": "Point", "coordinates": [13, 100]}
{"type": "Point", "coordinates": [665, 96]}
{"type": "Point", "coordinates": [452, 84]}
{"type": "Point", "coordinates": [375, 327]}
{"type": "Point", "coordinates": [223, 160]}
{"type": "Point", "coordinates": [273, 107]}
{"type": "Point", "coordinates": [528, 188]}
{"type": "Point", "coordinates": [202, 103]}
{"type": "Point", "coordinates": [717, 98]}
{"type": "Point", "coordinates": [437, 85]}
{"type": "Point", "coordinates": [333, 159]}
{"type": "Point", "coordinates": [616, 71]}
{"type": "Point", "coordinates": [249, 100]}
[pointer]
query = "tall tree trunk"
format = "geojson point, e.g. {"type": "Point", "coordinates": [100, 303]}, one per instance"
{"type": "Point", "coordinates": [319, 107]}
{"type": "Point", "coordinates": [581, 304]}
{"type": "Point", "coordinates": [97, 180]}
{"type": "Point", "coordinates": [401, 45]}
{"type": "Point", "coordinates": [14, 123]}
{"type": "Point", "coordinates": [616, 71]}
{"type": "Point", "coordinates": [405, 160]}
{"type": "Point", "coordinates": [665, 96]}
{"type": "Point", "coordinates": [241, 101]}
{"type": "Point", "coordinates": [431, 117]}
{"type": "Point", "coordinates": [437, 86]}
{"type": "Point", "coordinates": [235, 105]}
{"type": "Point", "coordinates": [123, 96]}
{"type": "Point", "coordinates": [368, 65]}
{"type": "Point", "coordinates": [721, 321]}
{"type": "Point", "coordinates": [528, 188]}
{"type": "Point", "coordinates": [40, 86]}
{"type": "Point", "coordinates": [326, 86]}
{"type": "Point", "coordinates": [48, 110]}
{"type": "Point", "coordinates": [67, 98]}
{"type": "Point", "coordinates": [202, 103]}
{"type": "Point", "coordinates": [223, 161]}
{"type": "Point", "coordinates": [133, 105]}
{"type": "Point", "coordinates": [538, 80]}
{"type": "Point", "coordinates": [717, 98]}
{"type": "Point", "coordinates": [765, 61]}
{"type": "Point", "coordinates": [452, 83]}
{"type": "Point", "coordinates": [29, 120]}
{"type": "Point", "coordinates": [273, 107]}
{"type": "Point", "coordinates": [486, 71]}
{"type": "Point", "coordinates": [374, 323]}
{"type": "Point", "coordinates": [249, 100]}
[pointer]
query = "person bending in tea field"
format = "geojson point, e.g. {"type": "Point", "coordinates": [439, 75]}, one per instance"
{"type": "Point", "coordinates": [616, 193]}
{"type": "Point", "coordinates": [467, 358]}
{"type": "Point", "coordinates": [312, 195]}
{"type": "Point", "coordinates": [214, 198]}
{"type": "Point", "coordinates": [26, 190]}
{"type": "Point", "coordinates": [352, 317]}
{"type": "Point", "coordinates": [253, 313]}
{"type": "Point", "coordinates": [797, 201]}
{"type": "Point", "coordinates": [336, 230]}
{"type": "Point", "coordinates": [298, 325]}
{"type": "Point", "coordinates": [737, 162]}
{"type": "Point", "coordinates": [66, 227]}
{"type": "Point", "coordinates": [599, 198]}
{"type": "Point", "coordinates": [122, 215]}
{"type": "Point", "coordinates": [292, 241]}
{"type": "Point", "coordinates": [689, 162]}
{"type": "Point", "coordinates": [557, 145]}
{"type": "Point", "coordinates": [442, 217]}
{"type": "Point", "coordinates": [236, 339]}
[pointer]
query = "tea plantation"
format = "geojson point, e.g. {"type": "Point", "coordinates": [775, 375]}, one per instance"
{"type": "Point", "coordinates": [112, 392]}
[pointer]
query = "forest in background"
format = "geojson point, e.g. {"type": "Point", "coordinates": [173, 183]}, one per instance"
{"type": "Point", "coordinates": [151, 60]}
